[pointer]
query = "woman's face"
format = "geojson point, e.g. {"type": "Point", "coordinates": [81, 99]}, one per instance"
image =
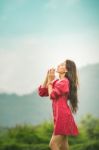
{"type": "Point", "coordinates": [61, 68]}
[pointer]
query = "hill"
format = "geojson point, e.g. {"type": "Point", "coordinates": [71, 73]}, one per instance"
{"type": "Point", "coordinates": [33, 109]}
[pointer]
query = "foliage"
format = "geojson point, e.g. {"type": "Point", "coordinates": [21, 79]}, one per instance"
{"type": "Point", "coordinates": [29, 137]}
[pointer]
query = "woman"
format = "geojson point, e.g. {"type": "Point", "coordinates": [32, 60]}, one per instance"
{"type": "Point", "coordinates": [63, 93]}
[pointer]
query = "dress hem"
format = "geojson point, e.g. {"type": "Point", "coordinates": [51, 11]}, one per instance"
{"type": "Point", "coordinates": [65, 134]}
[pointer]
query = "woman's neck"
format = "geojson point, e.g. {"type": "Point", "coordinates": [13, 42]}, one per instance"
{"type": "Point", "coordinates": [61, 76]}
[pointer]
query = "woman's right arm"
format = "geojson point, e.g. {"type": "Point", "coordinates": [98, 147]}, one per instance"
{"type": "Point", "coordinates": [42, 89]}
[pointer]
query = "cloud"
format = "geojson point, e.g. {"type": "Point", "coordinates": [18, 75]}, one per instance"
{"type": "Point", "coordinates": [25, 60]}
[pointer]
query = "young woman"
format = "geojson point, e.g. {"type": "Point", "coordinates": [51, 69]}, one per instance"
{"type": "Point", "coordinates": [63, 93]}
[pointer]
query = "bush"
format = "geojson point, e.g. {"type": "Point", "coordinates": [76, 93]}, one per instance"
{"type": "Point", "coordinates": [17, 146]}
{"type": "Point", "coordinates": [29, 137]}
{"type": "Point", "coordinates": [92, 145]}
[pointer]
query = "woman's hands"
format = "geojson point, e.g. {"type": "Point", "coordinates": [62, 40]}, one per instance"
{"type": "Point", "coordinates": [49, 77]}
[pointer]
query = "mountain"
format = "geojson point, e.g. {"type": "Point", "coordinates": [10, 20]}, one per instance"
{"type": "Point", "coordinates": [88, 90]}
{"type": "Point", "coordinates": [33, 109]}
{"type": "Point", "coordinates": [30, 108]}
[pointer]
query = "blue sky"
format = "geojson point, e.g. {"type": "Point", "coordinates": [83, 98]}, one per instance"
{"type": "Point", "coordinates": [47, 17]}
{"type": "Point", "coordinates": [38, 34]}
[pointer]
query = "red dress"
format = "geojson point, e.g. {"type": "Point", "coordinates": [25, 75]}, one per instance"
{"type": "Point", "coordinates": [64, 123]}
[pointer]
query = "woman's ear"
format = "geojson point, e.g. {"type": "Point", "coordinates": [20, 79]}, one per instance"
{"type": "Point", "coordinates": [66, 71]}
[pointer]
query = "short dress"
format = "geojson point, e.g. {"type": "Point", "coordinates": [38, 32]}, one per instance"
{"type": "Point", "coordinates": [63, 119]}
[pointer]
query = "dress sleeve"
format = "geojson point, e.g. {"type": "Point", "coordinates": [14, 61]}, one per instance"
{"type": "Point", "coordinates": [60, 88]}
{"type": "Point", "coordinates": [42, 91]}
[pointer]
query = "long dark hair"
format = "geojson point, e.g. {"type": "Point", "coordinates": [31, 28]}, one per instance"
{"type": "Point", "coordinates": [71, 74]}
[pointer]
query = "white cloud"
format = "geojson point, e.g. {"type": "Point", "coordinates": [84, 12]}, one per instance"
{"type": "Point", "coordinates": [24, 61]}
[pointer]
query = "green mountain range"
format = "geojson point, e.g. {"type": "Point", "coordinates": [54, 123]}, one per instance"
{"type": "Point", "coordinates": [33, 109]}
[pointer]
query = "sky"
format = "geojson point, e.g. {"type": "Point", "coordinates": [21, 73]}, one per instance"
{"type": "Point", "coordinates": [38, 34]}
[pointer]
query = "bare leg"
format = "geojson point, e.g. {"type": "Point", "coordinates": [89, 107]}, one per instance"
{"type": "Point", "coordinates": [64, 144]}
{"type": "Point", "coordinates": [57, 141]}
{"type": "Point", "coordinates": [54, 143]}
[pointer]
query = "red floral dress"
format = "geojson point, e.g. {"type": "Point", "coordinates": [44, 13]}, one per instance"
{"type": "Point", "coordinates": [64, 123]}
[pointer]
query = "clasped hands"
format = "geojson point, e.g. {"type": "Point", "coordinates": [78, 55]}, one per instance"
{"type": "Point", "coordinates": [49, 77]}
